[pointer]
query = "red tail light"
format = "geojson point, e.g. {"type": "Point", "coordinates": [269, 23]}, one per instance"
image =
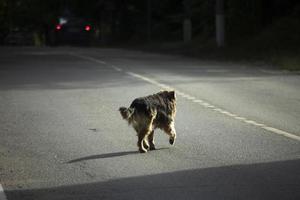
{"type": "Point", "coordinates": [58, 27]}
{"type": "Point", "coordinates": [87, 28]}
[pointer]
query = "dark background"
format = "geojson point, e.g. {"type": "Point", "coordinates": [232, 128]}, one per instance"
{"type": "Point", "coordinates": [254, 28]}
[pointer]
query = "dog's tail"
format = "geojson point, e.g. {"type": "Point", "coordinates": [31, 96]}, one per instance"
{"type": "Point", "coordinates": [126, 113]}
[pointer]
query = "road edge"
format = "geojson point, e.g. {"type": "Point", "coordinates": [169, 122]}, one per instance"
{"type": "Point", "coordinates": [2, 193]}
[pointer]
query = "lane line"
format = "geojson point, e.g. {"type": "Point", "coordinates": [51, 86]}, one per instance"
{"type": "Point", "coordinates": [116, 68]}
{"type": "Point", "coordinates": [88, 58]}
{"type": "Point", "coordinates": [201, 102]}
{"type": "Point", "coordinates": [218, 110]}
{"type": "Point", "coordinates": [281, 132]}
{"type": "Point", "coordinates": [2, 194]}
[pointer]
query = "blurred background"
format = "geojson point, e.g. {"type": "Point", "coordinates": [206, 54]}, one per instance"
{"type": "Point", "coordinates": [227, 29]}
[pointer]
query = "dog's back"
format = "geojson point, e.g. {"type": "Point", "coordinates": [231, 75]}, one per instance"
{"type": "Point", "coordinates": [162, 105]}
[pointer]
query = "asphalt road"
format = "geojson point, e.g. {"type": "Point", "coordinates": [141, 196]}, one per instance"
{"type": "Point", "coordinates": [62, 136]}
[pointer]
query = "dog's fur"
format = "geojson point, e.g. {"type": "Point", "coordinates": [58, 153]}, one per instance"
{"type": "Point", "coordinates": [148, 113]}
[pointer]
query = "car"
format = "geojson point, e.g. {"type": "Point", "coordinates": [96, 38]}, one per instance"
{"type": "Point", "coordinates": [19, 37]}
{"type": "Point", "coordinates": [72, 31]}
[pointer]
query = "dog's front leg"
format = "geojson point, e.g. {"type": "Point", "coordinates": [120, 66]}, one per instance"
{"type": "Point", "coordinates": [170, 130]}
{"type": "Point", "coordinates": [172, 137]}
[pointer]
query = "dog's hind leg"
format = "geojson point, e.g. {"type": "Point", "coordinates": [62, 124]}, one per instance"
{"type": "Point", "coordinates": [151, 140]}
{"type": "Point", "coordinates": [142, 136]}
{"type": "Point", "coordinates": [146, 127]}
{"type": "Point", "coordinates": [146, 143]}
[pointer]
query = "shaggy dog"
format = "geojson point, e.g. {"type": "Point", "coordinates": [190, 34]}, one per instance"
{"type": "Point", "coordinates": [148, 113]}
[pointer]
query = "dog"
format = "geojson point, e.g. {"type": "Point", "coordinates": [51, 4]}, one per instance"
{"type": "Point", "coordinates": [146, 114]}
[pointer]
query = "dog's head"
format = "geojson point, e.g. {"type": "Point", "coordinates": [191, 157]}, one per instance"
{"type": "Point", "coordinates": [171, 101]}
{"type": "Point", "coordinates": [170, 95]}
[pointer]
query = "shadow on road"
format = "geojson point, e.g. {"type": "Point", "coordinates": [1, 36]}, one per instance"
{"type": "Point", "coordinates": [276, 180]}
{"type": "Point", "coordinates": [108, 155]}
{"type": "Point", "coordinates": [100, 156]}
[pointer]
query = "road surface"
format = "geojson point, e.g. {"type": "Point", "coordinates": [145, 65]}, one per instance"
{"type": "Point", "coordinates": [62, 137]}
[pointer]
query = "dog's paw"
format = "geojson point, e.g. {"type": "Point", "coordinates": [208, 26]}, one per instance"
{"type": "Point", "coordinates": [152, 147]}
{"type": "Point", "coordinates": [146, 145]}
{"type": "Point", "coordinates": [142, 150]}
{"type": "Point", "coordinates": [172, 141]}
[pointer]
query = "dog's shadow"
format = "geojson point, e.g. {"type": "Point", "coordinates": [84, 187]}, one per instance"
{"type": "Point", "coordinates": [107, 155]}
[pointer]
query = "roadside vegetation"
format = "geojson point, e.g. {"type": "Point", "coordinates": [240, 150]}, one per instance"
{"type": "Point", "coordinates": [274, 41]}
{"type": "Point", "coordinates": [255, 30]}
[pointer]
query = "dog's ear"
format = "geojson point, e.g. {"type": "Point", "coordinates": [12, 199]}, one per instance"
{"type": "Point", "coordinates": [172, 95]}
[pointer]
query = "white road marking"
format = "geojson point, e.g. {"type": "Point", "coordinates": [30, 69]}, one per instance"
{"type": "Point", "coordinates": [281, 132]}
{"type": "Point", "coordinates": [88, 58]}
{"type": "Point", "coordinates": [254, 123]}
{"type": "Point", "coordinates": [116, 68]}
{"type": "Point", "coordinates": [198, 101]}
{"type": "Point", "coordinates": [2, 194]}
{"type": "Point", "coordinates": [240, 118]}
{"type": "Point", "coordinates": [216, 109]}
